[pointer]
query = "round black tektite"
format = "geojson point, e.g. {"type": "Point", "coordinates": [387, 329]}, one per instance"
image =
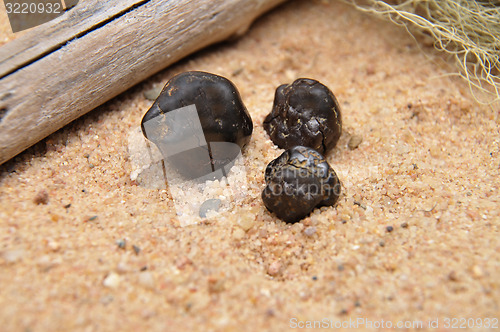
{"type": "Point", "coordinates": [298, 181]}
{"type": "Point", "coordinates": [304, 113]}
{"type": "Point", "coordinates": [199, 123]}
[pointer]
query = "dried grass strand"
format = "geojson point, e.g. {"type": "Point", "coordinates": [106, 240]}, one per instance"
{"type": "Point", "coordinates": [469, 30]}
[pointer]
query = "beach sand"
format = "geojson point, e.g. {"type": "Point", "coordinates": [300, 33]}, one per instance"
{"type": "Point", "coordinates": [414, 238]}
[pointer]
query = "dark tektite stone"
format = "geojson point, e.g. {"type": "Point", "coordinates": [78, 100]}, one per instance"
{"type": "Point", "coordinates": [304, 113]}
{"type": "Point", "coordinates": [199, 123]}
{"type": "Point", "coordinates": [297, 182]}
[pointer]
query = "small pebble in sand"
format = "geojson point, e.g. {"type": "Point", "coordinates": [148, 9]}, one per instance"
{"type": "Point", "coordinates": [361, 205]}
{"type": "Point", "coordinates": [106, 299]}
{"type": "Point", "coordinates": [182, 262]}
{"type": "Point", "coordinates": [310, 231]}
{"type": "Point", "coordinates": [246, 221]}
{"type": "Point", "coordinates": [146, 279]}
{"type": "Point", "coordinates": [13, 256]}
{"type": "Point", "coordinates": [477, 272]}
{"type": "Point", "coordinates": [238, 234]}
{"type": "Point", "coordinates": [212, 204]}
{"type": "Point", "coordinates": [123, 267]}
{"type": "Point", "coordinates": [137, 250]}
{"type": "Point", "coordinates": [42, 197]}
{"type": "Point", "coordinates": [436, 151]}
{"type": "Point", "coordinates": [389, 229]}
{"type": "Point", "coordinates": [452, 276]}
{"type": "Point", "coordinates": [354, 142]}
{"type": "Point", "coordinates": [112, 280]}
{"type": "Point", "coordinates": [121, 243]}
{"type": "Point", "coordinates": [270, 313]}
{"type": "Point", "coordinates": [53, 245]}
{"type": "Point", "coordinates": [274, 268]}
{"type": "Point", "coordinates": [216, 285]}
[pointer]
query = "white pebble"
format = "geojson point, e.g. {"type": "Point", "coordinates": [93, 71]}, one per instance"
{"type": "Point", "coordinates": [13, 256]}
{"type": "Point", "coordinates": [274, 268]}
{"type": "Point", "coordinates": [146, 279]}
{"type": "Point", "coordinates": [112, 280]}
{"type": "Point", "coordinates": [123, 267]}
{"type": "Point", "coordinates": [246, 222]}
{"type": "Point", "coordinates": [238, 234]}
{"type": "Point", "coordinates": [54, 246]}
{"type": "Point", "coordinates": [310, 231]}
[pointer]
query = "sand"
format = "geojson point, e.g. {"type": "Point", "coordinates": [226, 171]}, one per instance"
{"type": "Point", "coordinates": [414, 237]}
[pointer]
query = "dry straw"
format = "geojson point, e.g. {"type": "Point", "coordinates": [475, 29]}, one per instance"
{"type": "Point", "coordinates": [469, 30]}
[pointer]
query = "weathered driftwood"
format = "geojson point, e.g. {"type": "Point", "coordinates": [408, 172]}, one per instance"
{"type": "Point", "coordinates": [67, 67]}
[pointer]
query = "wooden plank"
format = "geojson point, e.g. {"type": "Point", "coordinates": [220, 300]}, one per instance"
{"type": "Point", "coordinates": [49, 88]}
{"type": "Point", "coordinates": [52, 35]}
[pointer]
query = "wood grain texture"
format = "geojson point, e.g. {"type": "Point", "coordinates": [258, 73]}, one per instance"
{"type": "Point", "coordinates": [77, 21]}
{"type": "Point", "coordinates": [67, 67]}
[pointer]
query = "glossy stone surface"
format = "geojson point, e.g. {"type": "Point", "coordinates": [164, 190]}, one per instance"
{"type": "Point", "coordinates": [304, 113]}
{"type": "Point", "coordinates": [199, 123]}
{"type": "Point", "coordinates": [298, 181]}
